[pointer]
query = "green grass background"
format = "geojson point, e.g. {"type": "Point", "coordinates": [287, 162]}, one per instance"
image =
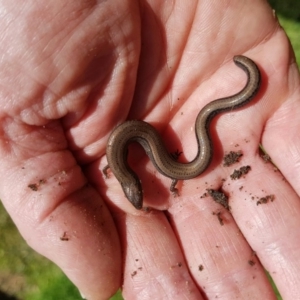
{"type": "Point", "coordinates": [26, 275]}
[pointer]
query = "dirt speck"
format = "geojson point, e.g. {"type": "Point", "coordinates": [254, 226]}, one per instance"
{"type": "Point", "coordinates": [203, 196]}
{"type": "Point", "coordinates": [266, 199]}
{"type": "Point", "coordinates": [240, 172]}
{"type": "Point", "coordinates": [218, 214]}
{"type": "Point", "coordinates": [35, 186]}
{"type": "Point", "coordinates": [251, 262]}
{"type": "Point", "coordinates": [219, 197]}
{"type": "Point", "coordinates": [133, 273]}
{"type": "Point", "coordinates": [266, 158]}
{"type": "Point", "coordinates": [64, 237]}
{"type": "Point", "coordinates": [231, 158]}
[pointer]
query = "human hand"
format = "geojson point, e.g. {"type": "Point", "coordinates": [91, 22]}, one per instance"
{"type": "Point", "coordinates": [63, 83]}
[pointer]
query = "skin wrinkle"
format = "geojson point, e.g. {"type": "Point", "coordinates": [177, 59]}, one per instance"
{"type": "Point", "coordinates": [173, 67]}
{"type": "Point", "coordinates": [61, 103]}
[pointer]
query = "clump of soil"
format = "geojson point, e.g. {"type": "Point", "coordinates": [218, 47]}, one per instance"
{"type": "Point", "coordinates": [231, 158]}
{"type": "Point", "coordinates": [219, 197]}
{"type": "Point", "coordinates": [266, 199]}
{"type": "Point", "coordinates": [240, 172]}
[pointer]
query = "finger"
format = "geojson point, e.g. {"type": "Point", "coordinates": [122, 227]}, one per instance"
{"type": "Point", "coordinates": [219, 258]}
{"type": "Point", "coordinates": [56, 211]}
{"type": "Point", "coordinates": [266, 209]}
{"type": "Point", "coordinates": [279, 221]}
{"type": "Point", "coordinates": [153, 261]}
{"type": "Point", "coordinates": [267, 212]}
{"type": "Point", "coordinates": [281, 137]}
{"type": "Point", "coordinates": [210, 236]}
{"type": "Point", "coordinates": [208, 36]}
{"type": "Point", "coordinates": [154, 264]}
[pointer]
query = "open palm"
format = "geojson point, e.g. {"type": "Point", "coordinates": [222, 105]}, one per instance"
{"type": "Point", "coordinates": [70, 72]}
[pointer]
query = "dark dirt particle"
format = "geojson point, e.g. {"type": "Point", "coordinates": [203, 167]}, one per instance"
{"type": "Point", "coordinates": [232, 158]}
{"type": "Point", "coordinates": [133, 273]}
{"type": "Point", "coordinates": [266, 199]}
{"type": "Point", "coordinates": [266, 158]}
{"type": "Point", "coordinates": [33, 186]}
{"type": "Point", "coordinates": [240, 172]}
{"type": "Point", "coordinates": [218, 214]}
{"type": "Point", "coordinates": [178, 264]}
{"type": "Point", "coordinates": [204, 195]}
{"type": "Point", "coordinates": [251, 262]}
{"type": "Point", "coordinates": [64, 237]}
{"type": "Point", "coordinates": [219, 197]}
